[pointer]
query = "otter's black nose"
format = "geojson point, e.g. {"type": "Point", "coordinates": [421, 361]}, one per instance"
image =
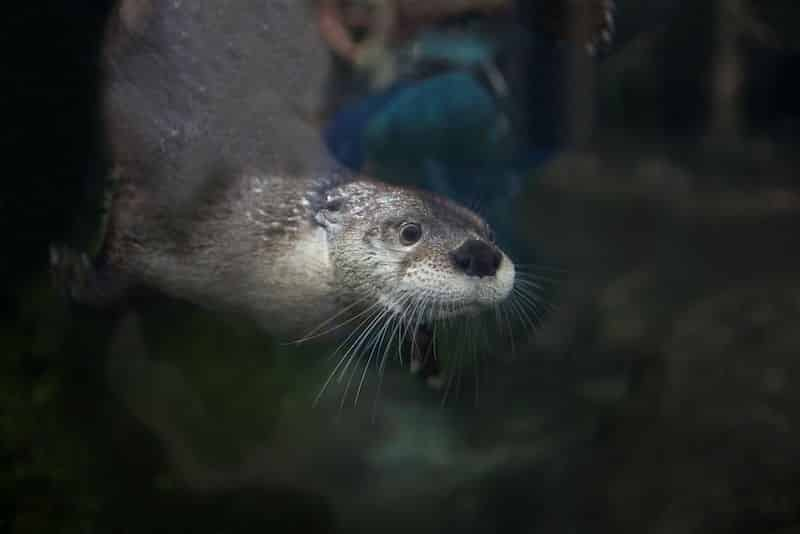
{"type": "Point", "coordinates": [476, 258]}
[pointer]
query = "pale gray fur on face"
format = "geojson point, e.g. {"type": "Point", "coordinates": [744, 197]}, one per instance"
{"type": "Point", "coordinates": [369, 256]}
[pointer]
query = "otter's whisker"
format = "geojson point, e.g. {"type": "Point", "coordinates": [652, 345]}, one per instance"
{"type": "Point", "coordinates": [397, 337]}
{"type": "Point", "coordinates": [369, 334]}
{"type": "Point", "coordinates": [532, 303]}
{"type": "Point", "coordinates": [532, 319]}
{"type": "Point", "coordinates": [536, 276]}
{"type": "Point", "coordinates": [505, 324]}
{"type": "Point", "coordinates": [378, 339]}
{"type": "Point", "coordinates": [470, 356]}
{"type": "Point", "coordinates": [416, 319]}
{"type": "Point", "coordinates": [522, 282]}
{"type": "Point", "coordinates": [407, 306]}
{"type": "Point", "coordinates": [513, 309]}
{"type": "Point", "coordinates": [374, 311]}
{"type": "Point", "coordinates": [452, 372]}
{"type": "Point", "coordinates": [395, 333]}
{"type": "Point", "coordinates": [536, 295]}
{"type": "Point", "coordinates": [455, 325]}
{"type": "Point", "coordinates": [405, 326]}
{"type": "Point", "coordinates": [521, 312]}
{"type": "Point", "coordinates": [314, 333]}
{"type": "Point", "coordinates": [341, 361]}
{"type": "Point", "coordinates": [480, 345]}
{"type": "Point", "coordinates": [363, 336]}
{"type": "Point", "coordinates": [463, 336]}
{"type": "Point", "coordinates": [538, 267]}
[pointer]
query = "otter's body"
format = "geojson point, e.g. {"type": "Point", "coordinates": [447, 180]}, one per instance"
{"type": "Point", "coordinates": [295, 252]}
{"type": "Point", "coordinates": [256, 250]}
{"type": "Point", "coordinates": [204, 105]}
{"type": "Point", "coordinates": [226, 196]}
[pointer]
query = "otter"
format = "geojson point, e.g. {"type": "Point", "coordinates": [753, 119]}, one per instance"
{"type": "Point", "coordinates": [294, 252]}
{"type": "Point", "coordinates": [226, 198]}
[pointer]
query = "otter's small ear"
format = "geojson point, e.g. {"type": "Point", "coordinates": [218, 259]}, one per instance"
{"type": "Point", "coordinates": [330, 214]}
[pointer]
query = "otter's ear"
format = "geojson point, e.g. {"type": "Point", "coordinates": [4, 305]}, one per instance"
{"type": "Point", "coordinates": [330, 214]}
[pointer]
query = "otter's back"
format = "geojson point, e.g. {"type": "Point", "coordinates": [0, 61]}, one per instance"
{"type": "Point", "coordinates": [196, 86]}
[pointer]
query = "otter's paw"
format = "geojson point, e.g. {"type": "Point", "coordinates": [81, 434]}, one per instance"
{"type": "Point", "coordinates": [71, 272]}
{"type": "Point", "coordinates": [428, 369]}
{"type": "Point", "coordinates": [424, 362]}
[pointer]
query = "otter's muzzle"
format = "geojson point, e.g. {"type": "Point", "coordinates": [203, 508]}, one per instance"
{"type": "Point", "coordinates": [477, 258]}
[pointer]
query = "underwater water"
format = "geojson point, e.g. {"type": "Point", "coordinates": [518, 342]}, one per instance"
{"type": "Point", "coordinates": [645, 382]}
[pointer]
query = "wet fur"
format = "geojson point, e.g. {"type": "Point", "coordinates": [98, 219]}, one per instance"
{"type": "Point", "coordinates": [225, 192]}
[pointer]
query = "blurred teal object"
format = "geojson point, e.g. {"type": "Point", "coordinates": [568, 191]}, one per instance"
{"type": "Point", "coordinates": [448, 121]}
{"type": "Point", "coordinates": [439, 107]}
{"type": "Point", "coordinates": [449, 118]}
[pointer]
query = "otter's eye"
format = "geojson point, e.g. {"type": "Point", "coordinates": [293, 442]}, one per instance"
{"type": "Point", "coordinates": [490, 235]}
{"type": "Point", "coordinates": [410, 233]}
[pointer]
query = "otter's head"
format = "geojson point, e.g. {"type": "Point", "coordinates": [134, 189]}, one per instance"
{"type": "Point", "coordinates": [410, 251]}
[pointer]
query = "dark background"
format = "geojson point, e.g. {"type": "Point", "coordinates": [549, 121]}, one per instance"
{"type": "Point", "coordinates": [667, 380]}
